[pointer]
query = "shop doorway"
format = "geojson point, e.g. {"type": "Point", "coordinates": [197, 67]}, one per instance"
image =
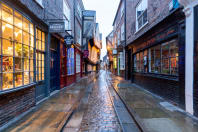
{"type": "Point", "coordinates": [54, 65]}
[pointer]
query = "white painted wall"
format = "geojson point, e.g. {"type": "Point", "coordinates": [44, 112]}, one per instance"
{"type": "Point", "coordinates": [189, 78]}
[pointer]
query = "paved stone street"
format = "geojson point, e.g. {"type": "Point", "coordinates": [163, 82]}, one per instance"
{"type": "Point", "coordinates": [98, 114]}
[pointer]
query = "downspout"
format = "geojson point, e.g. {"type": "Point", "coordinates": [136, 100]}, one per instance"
{"type": "Point", "coordinates": [125, 37]}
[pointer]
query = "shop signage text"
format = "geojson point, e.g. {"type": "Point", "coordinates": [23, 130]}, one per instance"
{"type": "Point", "coordinates": [157, 38]}
{"type": "Point", "coordinates": [68, 40]}
{"type": "Point", "coordinates": [56, 27]}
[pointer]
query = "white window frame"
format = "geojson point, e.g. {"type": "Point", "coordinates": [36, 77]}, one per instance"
{"type": "Point", "coordinates": [40, 2]}
{"type": "Point", "coordinates": [122, 32]}
{"type": "Point", "coordinates": [122, 10]}
{"type": "Point", "coordinates": [67, 15]}
{"type": "Point", "coordinates": [141, 15]}
{"type": "Point", "coordinates": [79, 10]}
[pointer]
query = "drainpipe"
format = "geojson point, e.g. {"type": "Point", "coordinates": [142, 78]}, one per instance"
{"type": "Point", "coordinates": [125, 37]}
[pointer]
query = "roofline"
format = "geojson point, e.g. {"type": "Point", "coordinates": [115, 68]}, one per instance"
{"type": "Point", "coordinates": [117, 12]}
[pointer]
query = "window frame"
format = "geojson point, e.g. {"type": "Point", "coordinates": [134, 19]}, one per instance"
{"type": "Point", "coordinates": [170, 58]}
{"type": "Point", "coordinates": [22, 59]}
{"type": "Point", "coordinates": [141, 16]}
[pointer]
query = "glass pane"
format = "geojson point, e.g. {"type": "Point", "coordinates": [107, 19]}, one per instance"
{"type": "Point", "coordinates": [145, 17]}
{"type": "Point", "coordinates": [165, 66]}
{"type": "Point", "coordinates": [40, 73]}
{"type": "Point", "coordinates": [18, 35]}
{"type": "Point", "coordinates": [32, 41]}
{"type": "Point", "coordinates": [141, 62]}
{"type": "Point", "coordinates": [26, 78]}
{"type": "Point", "coordinates": [38, 44]}
{"type": "Point", "coordinates": [43, 57]}
{"type": "Point", "coordinates": [7, 81]}
{"type": "Point", "coordinates": [174, 49]}
{"type": "Point", "coordinates": [165, 50]}
{"type": "Point", "coordinates": [17, 20]}
{"type": "Point", "coordinates": [25, 51]}
{"type": "Point", "coordinates": [43, 64]}
{"type": "Point", "coordinates": [31, 65]}
{"type": "Point", "coordinates": [43, 36]}
{"type": "Point", "coordinates": [26, 64]}
{"type": "Point", "coordinates": [40, 63]}
{"type": "Point", "coordinates": [26, 25]}
{"type": "Point", "coordinates": [18, 50]}
{"type": "Point", "coordinates": [31, 77]}
{"type": "Point", "coordinates": [7, 65]}
{"type": "Point", "coordinates": [152, 58]}
{"type": "Point", "coordinates": [43, 76]}
{"type": "Point", "coordinates": [174, 66]}
{"type": "Point", "coordinates": [7, 14]}
{"type": "Point", "coordinates": [43, 46]}
{"type": "Point", "coordinates": [26, 38]}
{"type": "Point", "coordinates": [7, 47]}
{"type": "Point", "coordinates": [40, 56]}
{"type": "Point", "coordinates": [31, 53]}
{"type": "Point", "coordinates": [38, 34]}
{"type": "Point", "coordinates": [7, 31]}
{"type": "Point", "coordinates": [157, 59]}
{"type": "Point", "coordinates": [140, 22]}
{"type": "Point", "coordinates": [18, 79]}
{"type": "Point", "coordinates": [18, 64]}
{"type": "Point", "coordinates": [31, 29]}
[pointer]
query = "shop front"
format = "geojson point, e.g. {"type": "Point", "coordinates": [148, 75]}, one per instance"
{"type": "Point", "coordinates": [22, 58]}
{"type": "Point", "coordinates": [158, 60]}
{"type": "Point", "coordinates": [71, 78]}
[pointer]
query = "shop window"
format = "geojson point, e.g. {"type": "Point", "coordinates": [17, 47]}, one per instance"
{"type": "Point", "coordinates": [40, 55]}
{"type": "Point", "coordinates": [70, 61]}
{"type": "Point", "coordinates": [17, 43]}
{"type": "Point", "coordinates": [78, 66]}
{"type": "Point", "coordinates": [141, 14]}
{"type": "Point", "coordinates": [162, 59]}
{"type": "Point", "coordinates": [157, 59]}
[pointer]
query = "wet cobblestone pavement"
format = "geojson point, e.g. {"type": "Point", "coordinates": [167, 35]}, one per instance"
{"type": "Point", "coordinates": [100, 115]}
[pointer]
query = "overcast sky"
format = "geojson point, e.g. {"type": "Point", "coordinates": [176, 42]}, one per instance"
{"type": "Point", "coordinates": [105, 13]}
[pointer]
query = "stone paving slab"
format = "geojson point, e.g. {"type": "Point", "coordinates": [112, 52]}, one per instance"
{"type": "Point", "coordinates": [153, 113]}
{"type": "Point", "coordinates": [51, 115]}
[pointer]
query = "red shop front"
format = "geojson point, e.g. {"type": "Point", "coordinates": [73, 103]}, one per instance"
{"type": "Point", "coordinates": [70, 65]}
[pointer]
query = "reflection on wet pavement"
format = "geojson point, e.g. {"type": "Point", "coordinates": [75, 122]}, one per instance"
{"type": "Point", "coordinates": [96, 112]}
{"type": "Point", "coordinates": [50, 116]}
{"type": "Point", "coordinates": [153, 112]}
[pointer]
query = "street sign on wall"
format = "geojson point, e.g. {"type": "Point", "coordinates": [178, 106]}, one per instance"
{"type": "Point", "coordinates": [56, 27]}
{"type": "Point", "coordinates": [69, 40]}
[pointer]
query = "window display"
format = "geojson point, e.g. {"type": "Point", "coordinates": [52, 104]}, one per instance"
{"type": "Point", "coordinates": [17, 49]}
{"type": "Point", "coordinates": [162, 59]}
{"type": "Point", "coordinates": [70, 61]}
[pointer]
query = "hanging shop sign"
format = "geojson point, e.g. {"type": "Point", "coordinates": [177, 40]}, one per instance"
{"type": "Point", "coordinates": [56, 27]}
{"type": "Point", "coordinates": [68, 40]}
{"type": "Point", "coordinates": [114, 52]}
{"type": "Point", "coordinates": [85, 53]}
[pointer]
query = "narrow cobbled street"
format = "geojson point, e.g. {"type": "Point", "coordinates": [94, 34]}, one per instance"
{"type": "Point", "coordinates": [96, 111]}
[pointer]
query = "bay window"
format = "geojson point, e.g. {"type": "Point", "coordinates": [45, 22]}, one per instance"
{"type": "Point", "coordinates": [162, 59]}
{"type": "Point", "coordinates": [16, 49]}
